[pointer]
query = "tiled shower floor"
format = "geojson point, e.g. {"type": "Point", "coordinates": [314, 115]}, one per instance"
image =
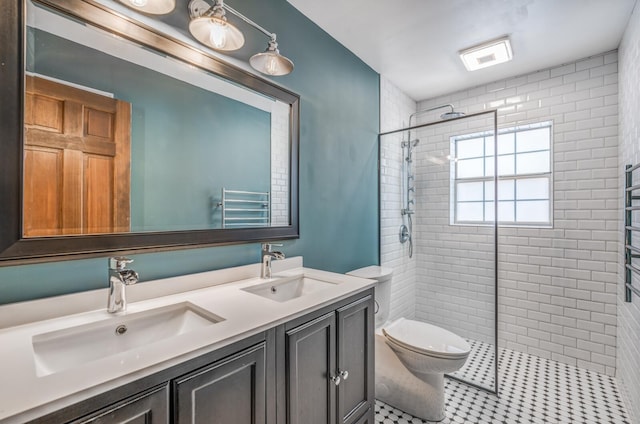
{"type": "Point", "coordinates": [479, 366]}
{"type": "Point", "coordinates": [533, 390]}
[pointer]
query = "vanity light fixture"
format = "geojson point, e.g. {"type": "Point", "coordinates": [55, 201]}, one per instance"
{"type": "Point", "coordinates": [210, 27]}
{"type": "Point", "coordinates": [151, 7]}
{"type": "Point", "coordinates": [487, 54]}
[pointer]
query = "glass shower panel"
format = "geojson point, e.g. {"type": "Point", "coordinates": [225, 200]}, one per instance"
{"type": "Point", "coordinates": [448, 170]}
{"type": "Point", "coordinates": [454, 233]}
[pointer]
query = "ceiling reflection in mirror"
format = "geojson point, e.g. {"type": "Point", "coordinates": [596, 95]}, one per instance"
{"type": "Point", "coordinates": [119, 138]}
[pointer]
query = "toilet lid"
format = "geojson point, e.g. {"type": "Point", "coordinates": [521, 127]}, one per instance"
{"type": "Point", "coordinates": [426, 338]}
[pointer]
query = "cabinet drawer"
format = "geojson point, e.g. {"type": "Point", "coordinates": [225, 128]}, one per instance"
{"type": "Point", "coordinates": [150, 407]}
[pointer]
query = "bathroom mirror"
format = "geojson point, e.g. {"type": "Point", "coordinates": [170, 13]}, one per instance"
{"type": "Point", "coordinates": [130, 137]}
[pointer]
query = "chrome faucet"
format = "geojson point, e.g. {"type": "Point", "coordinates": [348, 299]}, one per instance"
{"type": "Point", "coordinates": [267, 256]}
{"type": "Point", "coordinates": [119, 278]}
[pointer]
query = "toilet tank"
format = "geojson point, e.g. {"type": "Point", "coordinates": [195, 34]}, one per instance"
{"type": "Point", "coordinates": [382, 289]}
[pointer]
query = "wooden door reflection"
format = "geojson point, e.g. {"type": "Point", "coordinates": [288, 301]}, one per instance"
{"type": "Point", "coordinates": [77, 160]}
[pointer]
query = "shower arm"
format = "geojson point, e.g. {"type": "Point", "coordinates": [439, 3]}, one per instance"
{"type": "Point", "coordinates": [407, 210]}
{"type": "Point", "coordinates": [431, 109]}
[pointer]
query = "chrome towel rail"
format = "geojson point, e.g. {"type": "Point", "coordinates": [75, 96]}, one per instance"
{"type": "Point", "coordinates": [631, 252]}
{"type": "Point", "coordinates": [245, 208]}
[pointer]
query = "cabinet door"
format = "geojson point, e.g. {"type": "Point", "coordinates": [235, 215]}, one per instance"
{"type": "Point", "coordinates": [310, 355]}
{"type": "Point", "coordinates": [355, 357]}
{"type": "Point", "coordinates": [232, 390]}
{"type": "Point", "coordinates": [151, 407]}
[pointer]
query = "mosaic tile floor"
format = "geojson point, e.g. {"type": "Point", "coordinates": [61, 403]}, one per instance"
{"type": "Point", "coordinates": [533, 390]}
{"type": "Point", "coordinates": [479, 366]}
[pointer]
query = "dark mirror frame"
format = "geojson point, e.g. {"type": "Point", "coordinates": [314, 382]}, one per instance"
{"type": "Point", "coordinates": [14, 248]}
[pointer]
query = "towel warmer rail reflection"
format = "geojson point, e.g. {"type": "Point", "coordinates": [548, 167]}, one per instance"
{"type": "Point", "coordinates": [631, 251]}
{"type": "Point", "coordinates": [245, 208]}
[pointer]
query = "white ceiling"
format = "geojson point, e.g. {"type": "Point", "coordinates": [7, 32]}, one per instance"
{"type": "Point", "coordinates": [415, 43]}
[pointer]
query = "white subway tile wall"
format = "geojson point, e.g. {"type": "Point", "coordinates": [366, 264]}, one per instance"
{"type": "Point", "coordinates": [557, 289]}
{"type": "Point", "coordinates": [280, 164]}
{"type": "Point", "coordinates": [628, 352]}
{"type": "Point", "coordinates": [395, 109]}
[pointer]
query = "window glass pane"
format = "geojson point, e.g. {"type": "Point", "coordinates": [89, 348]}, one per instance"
{"type": "Point", "coordinates": [505, 143]}
{"type": "Point", "coordinates": [506, 211]}
{"type": "Point", "coordinates": [488, 190]}
{"type": "Point", "coordinates": [538, 139]}
{"type": "Point", "coordinates": [489, 166]}
{"type": "Point", "coordinates": [506, 165]}
{"type": "Point", "coordinates": [488, 145]}
{"type": "Point", "coordinates": [488, 211]}
{"type": "Point", "coordinates": [520, 152]}
{"type": "Point", "coordinates": [506, 189]}
{"type": "Point", "coordinates": [472, 148]}
{"type": "Point", "coordinates": [469, 168]}
{"type": "Point", "coordinates": [532, 163]}
{"type": "Point", "coordinates": [533, 211]}
{"type": "Point", "coordinates": [469, 191]}
{"type": "Point", "coordinates": [469, 211]}
{"type": "Point", "coordinates": [533, 188]}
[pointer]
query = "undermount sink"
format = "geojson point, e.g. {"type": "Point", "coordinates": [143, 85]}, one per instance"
{"type": "Point", "coordinates": [282, 289]}
{"type": "Point", "coordinates": [70, 347]}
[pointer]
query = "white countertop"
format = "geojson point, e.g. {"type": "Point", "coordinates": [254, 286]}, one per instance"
{"type": "Point", "coordinates": [25, 396]}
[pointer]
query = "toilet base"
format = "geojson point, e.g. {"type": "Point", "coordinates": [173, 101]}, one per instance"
{"type": "Point", "coordinates": [421, 395]}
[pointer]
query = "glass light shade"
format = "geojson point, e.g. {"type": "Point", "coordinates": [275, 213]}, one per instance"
{"type": "Point", "coordinates": [216, 32]}
{"type": "Point", "coordinates": [151, 7]}
{"type": "Point", "coordinates": [271, 62]}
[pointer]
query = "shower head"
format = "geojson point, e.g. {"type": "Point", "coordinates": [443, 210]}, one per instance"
{"type": "Point", "coordinates": [452, 115]}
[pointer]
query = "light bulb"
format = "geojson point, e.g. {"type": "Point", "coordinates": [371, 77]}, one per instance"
{"type": "Point", "coordinates": [271, 67]}
{"type": "Point", "coordinates": [218, 34]}
{"type": "Point", "coordinates": [139, 3]}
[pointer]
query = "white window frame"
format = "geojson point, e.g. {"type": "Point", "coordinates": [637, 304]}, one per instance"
{"type": "Point", "coordinates": [510, 177]}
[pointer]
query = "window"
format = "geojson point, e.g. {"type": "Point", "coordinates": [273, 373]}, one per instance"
{"type": "Point", "coordinates": [524, 176]}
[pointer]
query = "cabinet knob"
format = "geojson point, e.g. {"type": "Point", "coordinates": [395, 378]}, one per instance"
{"type": "Point", "coordinates": [344, 374]}
{"type": "Point", "coordinates": [336, 379]}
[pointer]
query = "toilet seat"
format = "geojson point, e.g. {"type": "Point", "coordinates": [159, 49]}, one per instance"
{"type": "Point", "coordinates": [426, 339]}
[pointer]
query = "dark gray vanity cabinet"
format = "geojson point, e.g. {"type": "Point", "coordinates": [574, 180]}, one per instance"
{"type": "Point", "coordinates": [151, 407]}
{"type": "Point", "coordinates": [314, 369]}
{"type": "Point", "coordinates": [329, 366]}
{"type": "Point", "coordinates": [367, 419]}
{"type": "Point", "coordinates": [232, 390]}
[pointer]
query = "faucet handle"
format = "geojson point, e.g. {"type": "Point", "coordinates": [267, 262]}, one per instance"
{"type": "Point", "coordinates": [119, 262]}
{"type": "Point", "coordinates": [266, 247]}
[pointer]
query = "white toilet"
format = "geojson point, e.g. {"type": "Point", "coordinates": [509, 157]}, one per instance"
{"type": "Point", "coordinates": [411, 357]}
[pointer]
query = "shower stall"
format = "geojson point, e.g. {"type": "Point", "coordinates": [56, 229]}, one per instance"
{"type": "Point", "coordinates": [442, 176]}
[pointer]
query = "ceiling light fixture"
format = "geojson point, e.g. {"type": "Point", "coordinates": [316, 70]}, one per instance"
{"type": "Point", "coordinates": [151, 7]}
{"type": "Point", "coordinates": [209, 26]}
{"type": "Point", "coordinates": [487, 54]}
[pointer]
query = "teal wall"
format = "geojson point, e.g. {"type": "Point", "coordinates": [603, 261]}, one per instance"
{"type": "Point", "coordinates": [186, 142]}
{"type": "Point", "coordinates": [339, 122]}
